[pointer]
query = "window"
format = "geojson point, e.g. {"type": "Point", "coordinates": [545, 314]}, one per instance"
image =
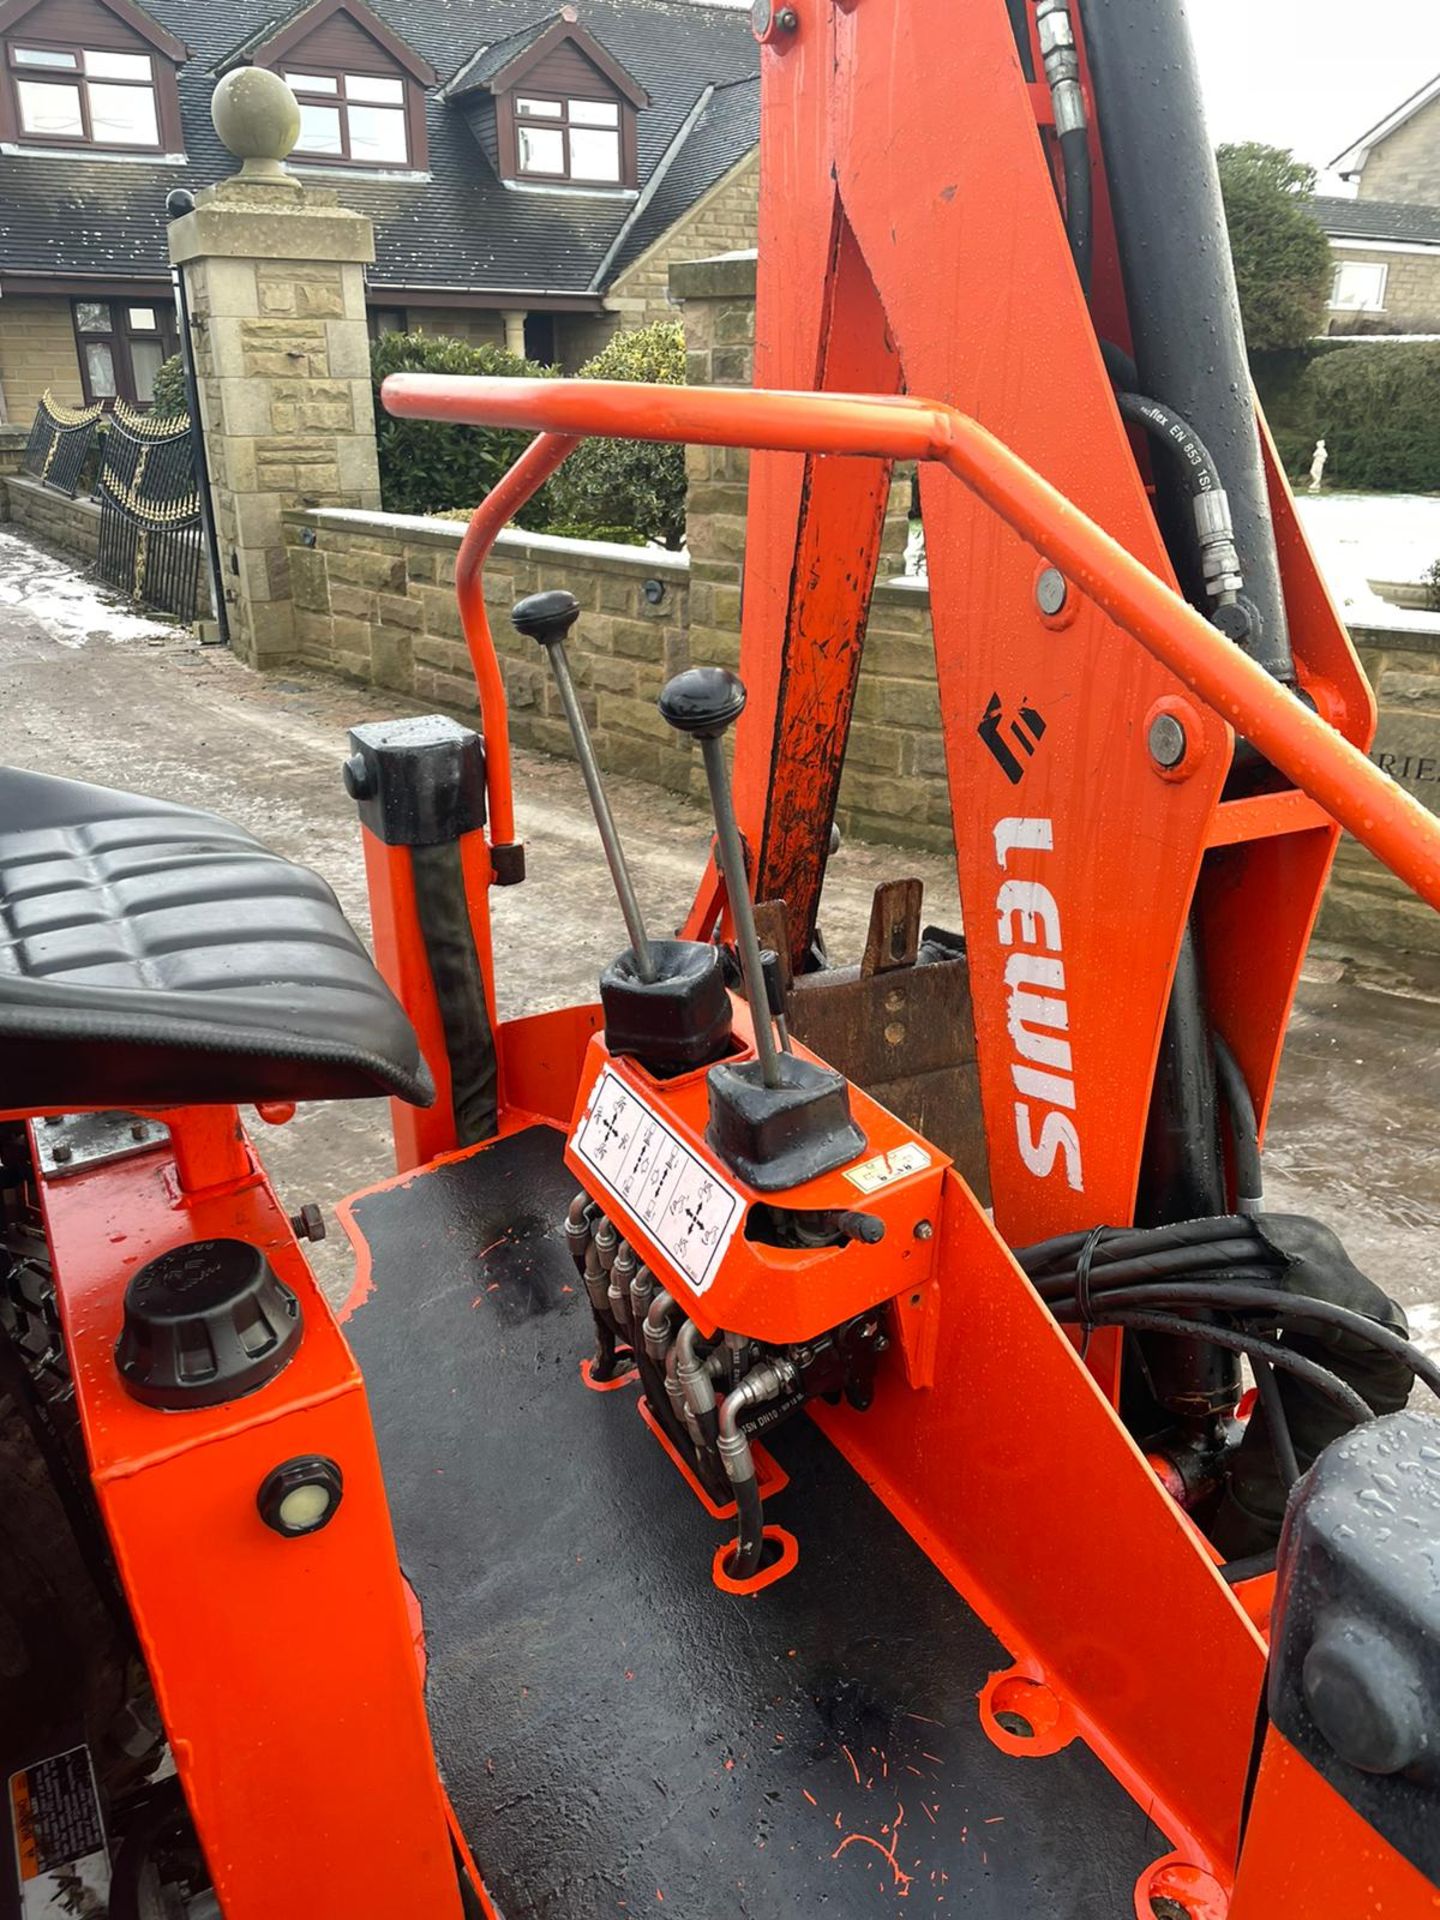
{"type": "Point", "coordinates": [385, 320]}
{"type": "Point", "coordinates": [353, 117]}
{"type": "Point", "coordinates": [80, 96]}
{"type": "Point", "coordinates": [1359, 286]}
{"type": "Point", "coordinates": [567, 140]}
{"type": "Point", "coordinates": [122, 346]}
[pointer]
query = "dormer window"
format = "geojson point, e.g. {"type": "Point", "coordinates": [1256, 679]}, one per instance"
{"type": "Point", "coordinates": [96, 98]}
{"type": "Point", "coordinates": [110, 87]}
{"type": "Point", "coordinates": [552, 107]}
{"type": "Point", "coordinates": [360, 88]}
{"type": "Point", "coordinates": [568, 139]}
{"type": "Point", "coordinates": [359, 117]}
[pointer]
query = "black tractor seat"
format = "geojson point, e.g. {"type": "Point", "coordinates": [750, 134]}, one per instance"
{"type": "Point", "coordinates": [155, 955]}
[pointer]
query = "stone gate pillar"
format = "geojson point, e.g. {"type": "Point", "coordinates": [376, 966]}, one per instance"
{"type": "Point", "coordinates": [276, 280]}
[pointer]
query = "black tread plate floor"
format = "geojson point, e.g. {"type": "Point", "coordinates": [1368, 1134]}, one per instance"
{"type": "Point", "coordinates": [618, 1736]}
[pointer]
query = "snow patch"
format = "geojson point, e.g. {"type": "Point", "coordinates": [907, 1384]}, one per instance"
{"type": "Point", "coordinates": [72, 609]}
{"type": "Point", "coordinates": [1363, 537]}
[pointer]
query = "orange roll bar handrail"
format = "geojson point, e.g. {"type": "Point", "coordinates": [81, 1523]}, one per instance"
{"type": "Point", "coordinates": [529, 473]}
{"type": "Point", "coordinates": [1381, 815]}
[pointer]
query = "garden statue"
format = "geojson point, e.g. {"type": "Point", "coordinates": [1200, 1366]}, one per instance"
{"type": "Point", "coordinates": [1317, 465]}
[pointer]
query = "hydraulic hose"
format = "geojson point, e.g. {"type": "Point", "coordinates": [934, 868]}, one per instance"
{"type": "Point", "coordinates": [1209, 503]}
{"type": "Point", "coordinates": [1062, 76]}
{"type": "Point", "coordinates": [768, 1381]}
{"type": "Point", "coordinates": [1079, 201]}
{"type": "Point", "coordinates": [1180, 281]}
{"type": "Point", "coordinates": [1244, 1130]}
{"type": "Point", "coordinates": [691, 1353]}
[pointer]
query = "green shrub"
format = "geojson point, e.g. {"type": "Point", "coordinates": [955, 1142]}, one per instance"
{"type": "Point", "coordinates": [427, 467]}
{"type": "Point", "coordinates": [169, 396]}
{"type": "Point", "coordinates": [1373, 404]}
{"type": "Point", "coordinates": [627, 489]}
{"type": "Point", "coordinates": [1432, 584]}
{"type": "Point", "coordinates": [1282, 258]}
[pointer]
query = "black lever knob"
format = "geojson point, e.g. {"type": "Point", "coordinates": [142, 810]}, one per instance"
{"type": "Point", "coordinates": [703, 701]}
{"type": "Point", "coordinates": [546, 617]}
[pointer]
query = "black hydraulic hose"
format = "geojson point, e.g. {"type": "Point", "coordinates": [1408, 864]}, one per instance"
{"type": "Point", "coordinates": [1325, 1383]}
{"type": "Point", "coordinates": [749, 1528]}
{"type": "Point", "coordinates": [1197, 469]}
{"type": "Point", "coordinates": [1221, 1258]}
{"type": "Point", "coordinates": [1125, 1242]}
{"type": "Point", "coordinates": [1244, 1129]}
{"type": "Point", "coordinates": [1251, 1567]}
{"type": "Point", "coordinates": [1180, 284]}
{"type": "Point", "coordinates": [1121, 368]}
{"type": "Point", "coordinates": [768, 1381]}
{"type": "Point", "coordinates": [1079, 202]}
{"type": "Point", "coordinates": [1235, 1296]}
{"type": "Point", "coordinates": [1282, 1445]}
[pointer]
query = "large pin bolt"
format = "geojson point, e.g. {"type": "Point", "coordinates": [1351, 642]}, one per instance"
{"type": "Point", "coordinates": [705, 702]}
{"type": "Point", "coordinates": [548, 618]}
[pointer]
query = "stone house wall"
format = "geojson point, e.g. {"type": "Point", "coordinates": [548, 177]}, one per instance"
{"type": "Point", "coordinates": [1412, 292]}
{"type": "Point", "coordinates": [722, 221]}
{"type": "Point", "coordinates": [37, 350]}
{"type": "Point", "coordinates": [1406, 167]}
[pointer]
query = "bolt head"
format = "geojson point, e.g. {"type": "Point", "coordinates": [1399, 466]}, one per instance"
{"type": "Point", "coordinates": [924, 1230]}
{"type": "Point", "coordinates": [1167, 740]}
{"type": "Point", "coordinates": [1051, 592]}
{"type": "Point", "coordinates": [359, 781]}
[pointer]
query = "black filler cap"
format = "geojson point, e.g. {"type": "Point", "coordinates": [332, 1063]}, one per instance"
{"type": "Point", "coordinates": [204, 1324]}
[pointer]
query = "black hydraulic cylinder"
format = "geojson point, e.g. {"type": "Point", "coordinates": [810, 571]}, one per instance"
{"type": "Point", "coordinates": [1180, 283]}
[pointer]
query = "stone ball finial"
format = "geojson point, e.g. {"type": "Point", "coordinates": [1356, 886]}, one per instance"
{"type": "Point", "coordinates": [258, 118]}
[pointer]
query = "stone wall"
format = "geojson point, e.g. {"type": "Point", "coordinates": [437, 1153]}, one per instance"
{"type": "Point", "coordinates": [71, 525]}
{"type": "Point", "coordinates": [12, 452]}
{"type": "Point", "coordinates": [476, 326]}
{"type": "Point", "coordinates": [1406, 167]}
{"type": "Point", "coordinates": [375, 601]}
{"type": "Point", "coordinates": [1366, 906]}
{"type": "Point", "coordinates": [37, 350]}
{"type": "Point", "coordinates": [1412, 293]}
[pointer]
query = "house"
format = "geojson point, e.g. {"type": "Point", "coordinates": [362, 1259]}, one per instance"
{"type": "Point", "coordinates": [1386, 241]}
{"type": "Point", "coordinates": [531, 172]}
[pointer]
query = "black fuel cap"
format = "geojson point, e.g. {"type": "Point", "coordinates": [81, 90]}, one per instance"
{"type": "Point", "coordinates": [205, 1323]}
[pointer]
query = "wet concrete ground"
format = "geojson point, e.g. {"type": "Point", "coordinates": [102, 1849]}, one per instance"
{"type": "Point", "coordinates": [1355, 1131]}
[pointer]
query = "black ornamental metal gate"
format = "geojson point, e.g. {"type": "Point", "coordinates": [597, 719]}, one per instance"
{"type": "Point", "coordinates": [150, 527]}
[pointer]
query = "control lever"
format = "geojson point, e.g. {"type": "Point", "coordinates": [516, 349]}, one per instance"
{"type": "Point", "coordinates": [705, 703]}
{"type": "Point", "coordinates": [790, 1122]}
{"type": "Point", "coordinates": [665, 1001]}
{"type": "Point", "coordinates": [548, 618]}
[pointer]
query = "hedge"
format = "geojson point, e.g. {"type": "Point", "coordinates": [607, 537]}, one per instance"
{"type": "Point", "coordinates": [635, 489]}
{"type": "Point", "coordinates": [426, 467]}
{"type": "Point", "coordinates": [1374, 406]}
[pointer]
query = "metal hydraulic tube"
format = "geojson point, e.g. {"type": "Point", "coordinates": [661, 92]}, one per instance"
{"type": "Point", "coordinates": [1180, 284]}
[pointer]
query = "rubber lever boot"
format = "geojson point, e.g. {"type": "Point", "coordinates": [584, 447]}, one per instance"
{"type": "Point", "coordinates": [664, 1000]}
{"type": "Point", "coordinates": [777, 1120]}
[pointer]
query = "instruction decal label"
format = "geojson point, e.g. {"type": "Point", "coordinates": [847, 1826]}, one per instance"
{"type": "Point", "coordinates": [871, 1175]}
{"type": "Point", "coordinates": [59, 1838]}
{"type": "Point", "coordinates": [687, 1208]}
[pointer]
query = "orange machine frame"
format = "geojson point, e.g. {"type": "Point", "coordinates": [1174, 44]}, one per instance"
{"type": "Point", "coordinates": [313, 1785]}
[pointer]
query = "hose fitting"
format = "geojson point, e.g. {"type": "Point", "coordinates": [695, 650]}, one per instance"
{"type": "Point", "coordinates": [1062, 65]}
{"type": "Point", "coordinates": [658, 1327]}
